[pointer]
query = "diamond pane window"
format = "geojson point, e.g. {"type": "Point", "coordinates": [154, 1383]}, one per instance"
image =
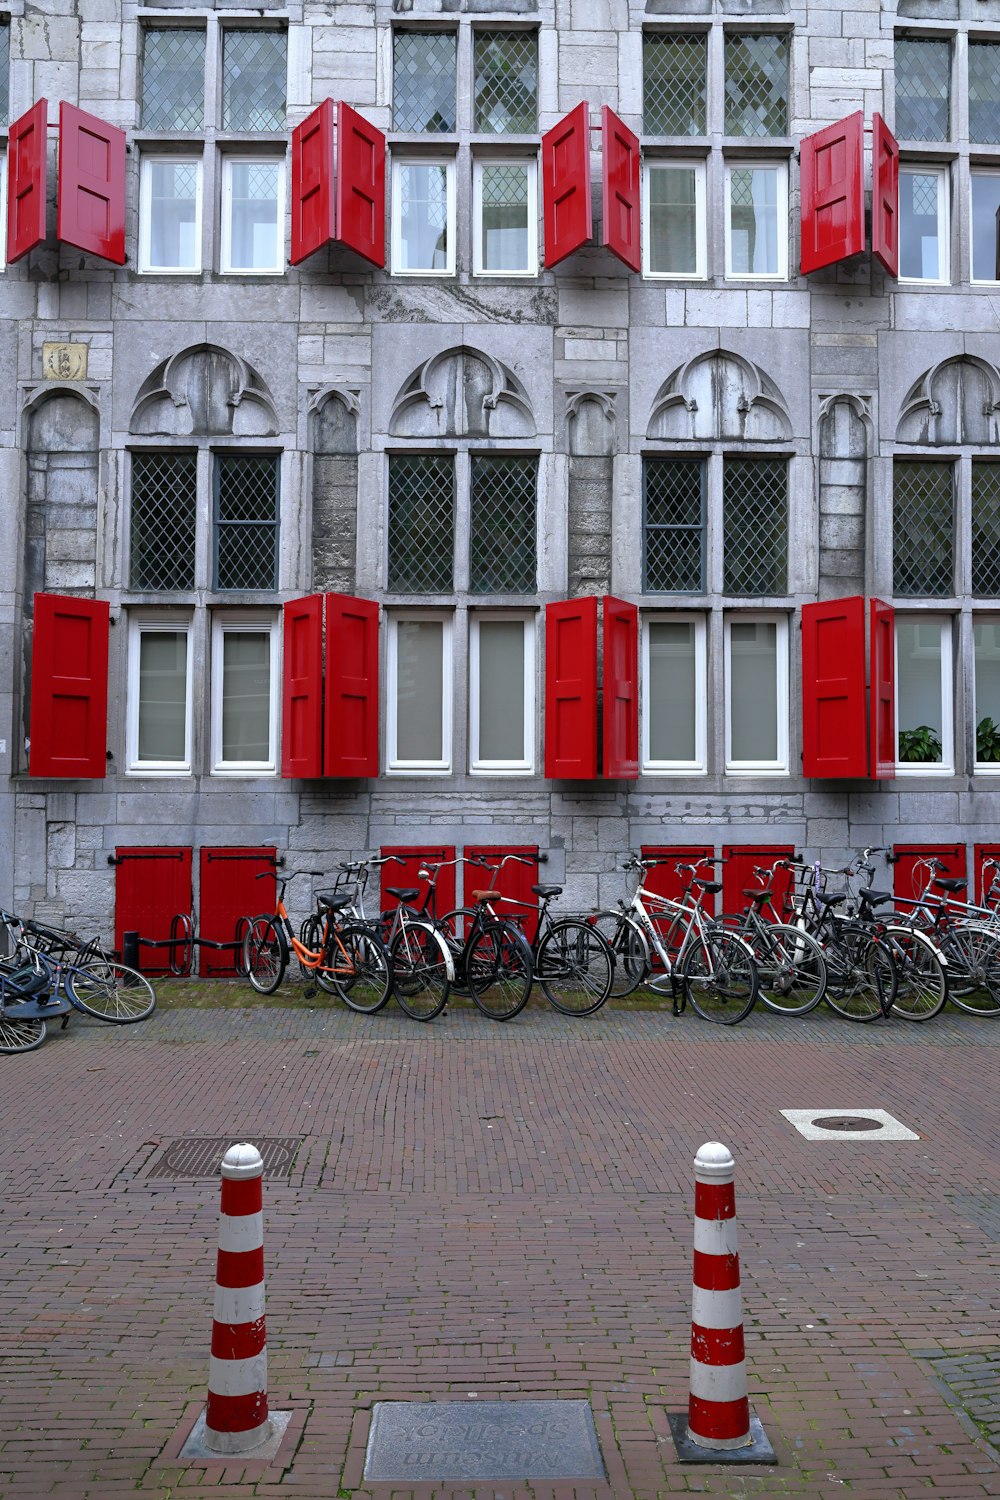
{"type": "Point", "coordinates": [163, 511]}
{"type": "Point", "coordinates": [755, 526]}
{"type": "Point", "coordinates": [986, 529]}
{"type": "Point", "coordinates": [421, 523]}
{"type": "Point", "coordinates": [4, 73]}
{"type": "Point", "coordinates": [674, 525]}
{"type": "Point", "coordinates": [253, 80]}
{"type": "Point", "coordinates": [923, 528]}
{"type": "Point", "coordinates": [506, 228]}
{"type": "Point", "coordinates": [246, 520]}
{"type": "Point", "coordinates": [984, 93]}
{"type": "Point", "coordinates": [756, 85]}
{"type": "Point", "coordinates": [674, 71]}
{"type": "Point", "coordinates": [506, 82]}
{"type": "Point", "coordinates": [502, 526]}
{"type": "Point", "coordinates": [173, 79]}
{"type": "Point", "coordinates": [923, 92]}
{"type": "Point", "coordinates": [423, 81]}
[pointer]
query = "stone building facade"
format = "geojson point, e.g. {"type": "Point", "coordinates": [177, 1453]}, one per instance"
{"type": "Point", "coordinates": [716, 439]}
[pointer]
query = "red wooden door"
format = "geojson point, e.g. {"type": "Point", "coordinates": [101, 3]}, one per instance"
{"type": "Point", "coordinates": [666, 880]}
{"type": "Point", "coordinates": [152, 885]}
{"type": "Point", "coordinates": [738, 876]}
{"type": "Point", "coordinates": [909, 878]}
{"type": "Point", "coordinates": [406, 874]}
{"type": "Point", "coordinates": [514, 881]}
{"type": "Point", "coordinates": [230, 890]}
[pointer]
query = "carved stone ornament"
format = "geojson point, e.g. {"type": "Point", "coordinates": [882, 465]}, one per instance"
{"type": "Point", "coordinates": [719, 396]}
{"type": "Point", "coordinates": [204, 391]}
{"type": "Point", "coordinates": [64, 361]}
{"type": "Point", "coordinates": [462, 393]}
{"type": "Point", "coordinates": [956, 401]}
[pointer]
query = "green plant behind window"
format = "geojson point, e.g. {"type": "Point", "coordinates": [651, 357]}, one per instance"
{"type": "Point", "coordinates": [921, 746]}
{"type": "Point", "coordinates": [987, 740]}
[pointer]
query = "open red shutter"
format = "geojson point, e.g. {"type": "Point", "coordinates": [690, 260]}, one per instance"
{"type": "Point", "coordinates": [406, 875]}
{"type": "Point", "coordinates": [360, 192]}
{"type": "Point", "coordinates": [571, 689]}
{"type": "Point", "coordinates": [738, 876]}
{"type": "Point", "coordinates": [351, 686]}
{"type": "Point", "coordinates": [621, 689]}
{"type": "Point", "coordinates": [882, 690]}
{"type": "Point", "coordinates": [152, 886]}
{"type": "Point", "coordinates": [313, 220]}
{"type": "Point", "coordinates": [26, 182]}
{"type": "Point", "coordinates": [91, 184]}
{"type": "Point", "coordinates": [514, 881]}
{"type": "Point", "coordinates": [885, 196]}
{"type": "Point", "coordinates": [620, 171]}
{"type": "Point", "coordinates": [832, 175]}
{"type": "Point", "coordinates": [566, 185]}
{"type": "Point", "coordinates": [230, 890]}
{"type": "Point", "coordinates": [834, 718]}
{"type": "Point", "coordinates": [302, 688]}
{"type": "Point", "coordinates": [69, 687]}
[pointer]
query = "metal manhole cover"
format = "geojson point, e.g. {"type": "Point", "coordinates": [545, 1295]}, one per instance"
{"type": "Point", "coordinates": [414, 1441]}
{"type": "Point", "coordinates": [848, 1125]}
{"type": "Point", "coordinates": [200, 1155]}
{"type": "Point", "coordinates": [847, 1122]}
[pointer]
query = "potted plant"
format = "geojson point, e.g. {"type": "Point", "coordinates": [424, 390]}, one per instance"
{"type": "Point", "coordinates": [987, 740]}
{"type": "Point", "coordinates": [921, 746]}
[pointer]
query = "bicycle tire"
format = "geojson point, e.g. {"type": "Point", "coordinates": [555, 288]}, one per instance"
{"type": "Point", "coordinates": [21, 1036]}
{"type": "Point", "coordinates": [861, 977]}
{"type": "Point", "coordinates": [791, 969]}
{"type": "Point", "coordinates": [575, 967]}
{"type": "Point", "coordinates": [110, 991]}
{"type": "Point", "coordinates": [265, 955]}
{"type": "Point", "coordinates": [499, 971]}
{"type": "Point", "coordinates": [921, 978]}
{"type": "Point", "coordinates": [455, 927]}
{"type": "Point", "coordinates": [630, 949]}
{"type": "Point", "coordinates": [367, 986]}
{"type": "Point", "coordinates": [420, 971]}
{"type": "Point", "coordinates": [973, 955]}
{"type": "Point", "coordinates": [720, 978]}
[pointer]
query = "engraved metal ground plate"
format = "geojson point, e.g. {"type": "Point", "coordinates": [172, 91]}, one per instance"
{"type": "Point", "coordinates": [469, 1441]}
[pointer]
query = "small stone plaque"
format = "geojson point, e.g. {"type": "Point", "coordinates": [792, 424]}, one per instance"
{"type": "Point", "coordinates": [64, 361]}
{"type": "Point", "coordinates": [410, 1441]}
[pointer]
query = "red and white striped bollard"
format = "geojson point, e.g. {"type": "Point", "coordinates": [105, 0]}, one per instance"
{"type": "Point", "coordinates": [718, 1407]}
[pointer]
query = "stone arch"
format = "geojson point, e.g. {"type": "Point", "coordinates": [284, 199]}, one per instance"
{"type": "Point", "coordinates": [590, 418]}
{"type": "Point", "coordinates": [334, 413]}
{"type": "Point", "coordinates": [62, 448]}
{"type": "Point", "coordinates": [955, 401]}
{"type": "Point", "coordinates": [719, 396]}
{"type": "Point", "coordinates": [204, 391]}
{"type": "Point", "coordinates": [462, 392]}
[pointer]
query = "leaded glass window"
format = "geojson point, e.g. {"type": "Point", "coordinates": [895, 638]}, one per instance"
{"type": "Point", "coordinates": [673, 525]}
{"type": "Point", "coordinates": [246, 519]}
{"type": "Point", "coordinates": [674, 75]}
{"type": "Point", "coordinates": [506, 229]}
{"type": "Point", "coordinates": [923, 527]}
{"type": "Point", "coordinates": [506, 86]}
{"type": "Point", "coordinates": [923, 89]}
{"type": "Point", "coordinates": [4, 72]}
{"type": "Point", "coordinates": [986, 529]}
{"type": "Point", "coordinates": [173, 79]}
{"type": "Point", "coordinates": [162, 521]}
{"type": "Point", "coordinates": [755, 526]}
{"type": "Point", "coordinates": [984, 93]}
{"type": "Point", "coordinates": [503, 525]}
{"type": "Point", "coordinates": [423, 81]}
{"type": "Point", "coordinates": [421, 523]}
{"type": "Point", "coordinates": [253, 80]}
{"type": "Point", "coordinates": [756, 85]}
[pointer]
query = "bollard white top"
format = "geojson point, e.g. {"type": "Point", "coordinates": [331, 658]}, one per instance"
{"type": "Point", "coordinates": [714, 1163]}
{"type": "Point", "coordinates": [241, 1162]}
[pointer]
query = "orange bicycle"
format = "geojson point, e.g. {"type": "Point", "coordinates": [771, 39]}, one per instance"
{"type": "Point", "coordinates": [349, 960]}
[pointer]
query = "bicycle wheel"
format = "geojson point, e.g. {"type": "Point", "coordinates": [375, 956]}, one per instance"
{"type": "Point", "coordinates": [860, 976]}
{"type": "Point", "coordinates": [921, 981]}
{"type": "Point", "coordinates": [21, 1036]}
{"type": "Point", "coordinates": [265, 955]}
{"type": "Point", "coordinates": [499, 971]}
{"type": "Point", "coordinates": [361, 968]}
{"type": "Point", "coordinates": [720, 978]}
{"type": "Point", "coordinates": [420, 971]}
{"type": "Point", "coordinates": [575, 967]}
{"type": "Point", "coordinates": [973, 955]}
{"type": "Point", "coordinates": [110, 991]}
{"type": "Point", "coordinates": [455, 927]}
{"type": "Point", "coordinates": [790, 968]}
{"type": "Point", "coordinates": [630, 949]}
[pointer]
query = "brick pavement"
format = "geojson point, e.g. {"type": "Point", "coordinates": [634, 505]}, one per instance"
{"type": "Point", "coordinates": [504, 1211]}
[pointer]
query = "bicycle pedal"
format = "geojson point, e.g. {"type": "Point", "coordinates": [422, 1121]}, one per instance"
{"type": "Point", "coordinates": [309, 993]}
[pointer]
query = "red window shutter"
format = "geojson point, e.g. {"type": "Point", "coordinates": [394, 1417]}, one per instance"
{"type": "Point", "coordinates": [620, 175]}
{"type": "Point", "coordinates": [302, 688]}
{"type": "Point", "coordinates": [514, 881]}
{"type": "Point", "coordinates": [621, 689]}
{"type": "Point", "coordinates": [982, 853]}
{"type": "Point", "coordinates": [406, 875]}
{"type": "Point", "coordinates": [566, 185]}
{"type": "Point", "coordinates": [91, 184]}
{"type": "Point", "coordinates": [230, 890]}
{"type": "Point", "coordinates": [360, 193]}
{"type": "Point", "coordinates": [313, 220]}
{"type": "Point", "coordinates": [571, 689]}
{"type": "Point", "coordinates": [351, 687]}
{"type": "Point", "coordinates": [738, 876]}
{"type": "Point", "coordinates": [152, 886]}
{"type": "Point", "coordinates": [882, 690]}
{"type": "Point", "coordinates": [832, 177]}
{"type": "Point", "coordinates": [885, 196]}
{"type": "Point", "coordinates": [69, 687]}
{"type": "Point", "coordinates": [26, 182]}
{"type": "Point", "coordinates": [908, 881]}
{"type": "Point", "coordinates": [834, 720]}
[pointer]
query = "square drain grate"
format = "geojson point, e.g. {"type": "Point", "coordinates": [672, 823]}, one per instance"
{"type": "Point", "coordinates": [201, 1155]}
{"type": "Point", "coordinates": [468, 1441]}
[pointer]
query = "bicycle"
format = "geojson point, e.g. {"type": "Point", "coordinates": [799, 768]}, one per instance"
{"type": "Point", "coordinates": [966, 934]}
{"type": "Point", "coordinates": [490, 955]}
{"type": "Point", "coordinates": [94, 982]}
{"type": "Point", "coordinates": [861, 973]}
{"type": "Point", "coordinates": [790, 964]}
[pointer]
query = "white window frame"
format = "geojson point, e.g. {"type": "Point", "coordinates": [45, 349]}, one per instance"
{"type": "Point", "coordinates": [393, 764]}
{"type": "Point", "coordinates": [140, 625]}
{"type": "Point", "coordinates": [946, 765]}
{"type": "Point", "coordinates": [677, 164]}
{"type": "Point", "coordinates": [780, 766]}
{"type": "Point", "coordinates": [979, 280]}
{"type": "Point", "coordinates": [943, 175]}
{"type": "Point", "coordinates": [146, 221]}
{"type": "Point", "coordinates": [448, 162]}
{"type": "Point", "coordinates": [478, 164]}
{"type": "Point", "coordinates": [224, 623]}
{"type": "Point", "coordinates": [980, 767]}
{"type": "Point", "coordinates": [229, 159]}
{"type": "Point", "coordinates": [3, 209]}
{"type": "Point", "coordinates": [781, 211]}
{"type": "Point", "coordinates": [698, 766]}
{"type": "Point", "coordinates": [525, 765]}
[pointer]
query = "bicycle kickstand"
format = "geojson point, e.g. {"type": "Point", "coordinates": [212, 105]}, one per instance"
{"type": "Point", "coordinates": [676, 1009]}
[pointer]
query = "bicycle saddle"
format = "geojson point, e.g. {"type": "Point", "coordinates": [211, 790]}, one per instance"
{"type": "Point", "coordinates": [875, 898]}
{"type": "Point", "coordinates": [951, 884]}
{"type": "Point", "coordinates": [834, 900]}
{"type": "Point", "coordinates": [757, 894]}
{"type": "Point", "coordinates": [486, 895]}
{"type": "Point", "coordinates": [401, 894]}
{"type": "Point", "coordinates": [331, 902]}
{"type": "Point", "coordinates": [546, 890]}
{"type": "Point", "coordinates": [710, 885]}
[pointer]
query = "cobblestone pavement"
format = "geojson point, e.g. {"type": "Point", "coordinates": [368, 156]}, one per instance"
{"type": "Point", "coordinates": [505, 1211]}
